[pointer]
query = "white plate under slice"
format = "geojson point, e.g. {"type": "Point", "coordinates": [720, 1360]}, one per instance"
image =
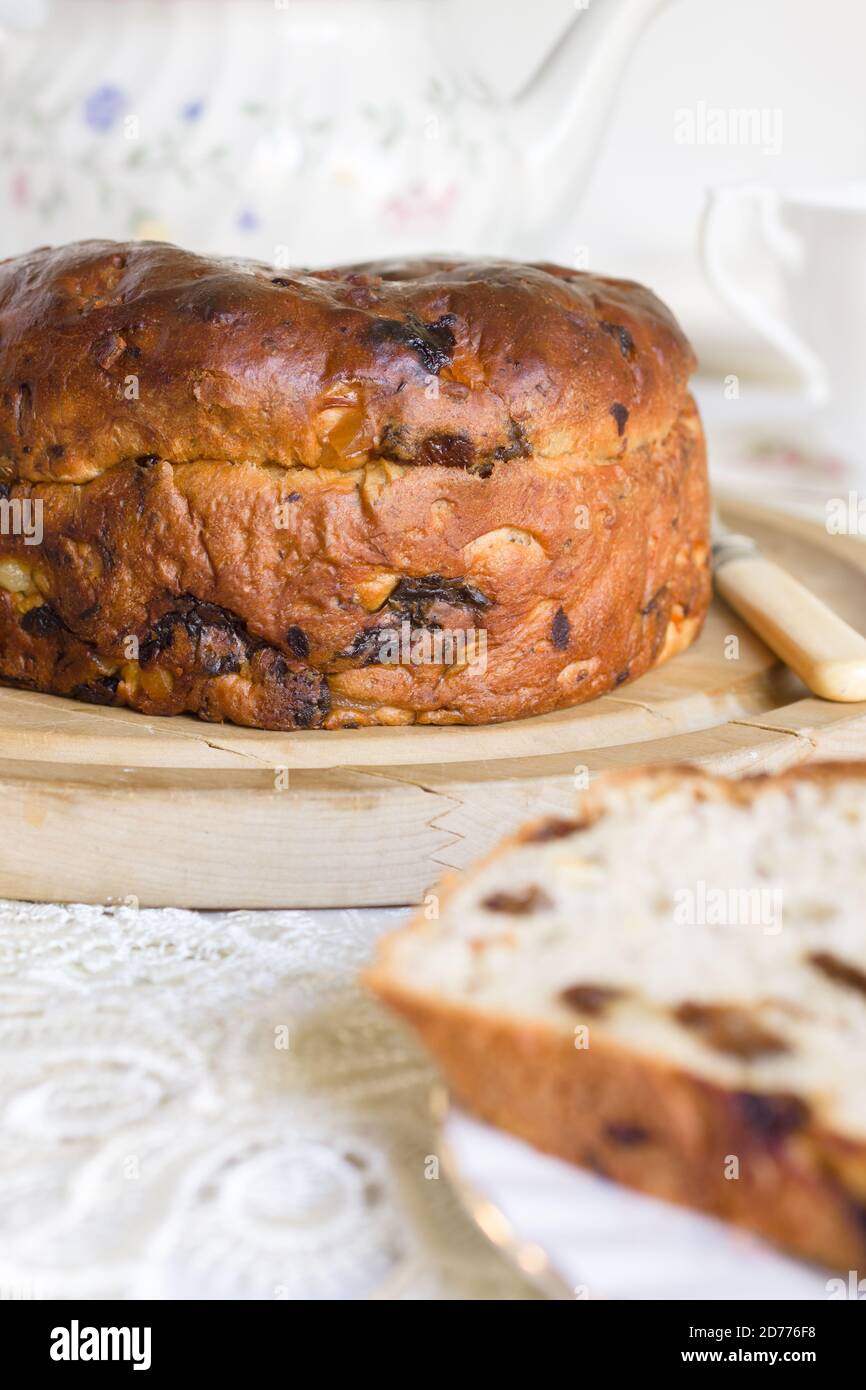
{"type": "Point", "coordinates": [580, 1236]}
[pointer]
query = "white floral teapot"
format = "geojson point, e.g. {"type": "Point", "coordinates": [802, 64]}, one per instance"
{"type": "Point", "coordinates": [298, 131]}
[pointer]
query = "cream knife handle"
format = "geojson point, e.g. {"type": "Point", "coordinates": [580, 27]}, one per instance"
{"type": "Point", "coordinates": [827, 654]}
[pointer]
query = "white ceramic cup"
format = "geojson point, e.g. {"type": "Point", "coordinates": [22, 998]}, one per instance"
{"type": "Point", "coordinates": [817, 239]}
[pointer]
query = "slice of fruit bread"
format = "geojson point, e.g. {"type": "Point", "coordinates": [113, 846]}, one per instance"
{"type": "Point", "coordinates": [669, 989]}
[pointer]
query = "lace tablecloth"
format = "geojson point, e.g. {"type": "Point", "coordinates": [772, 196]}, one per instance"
{"type": "Point", "coordinates": [205, 1105]}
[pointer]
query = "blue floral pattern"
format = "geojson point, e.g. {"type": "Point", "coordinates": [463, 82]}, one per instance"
{"type": "Point", "coordinates": [104, 107]}
{"type": "Point", "coordinates": [157, 181]}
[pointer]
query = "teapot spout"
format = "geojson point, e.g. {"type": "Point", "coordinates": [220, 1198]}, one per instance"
{"type": "Point", "coordinates": [558, 116]}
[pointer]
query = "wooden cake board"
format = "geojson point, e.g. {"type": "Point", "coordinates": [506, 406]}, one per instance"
{"type": "Point", "coordinates": [103, 805]}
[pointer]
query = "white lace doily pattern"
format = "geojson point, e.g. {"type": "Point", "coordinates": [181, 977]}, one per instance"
{"type": "Point", "coordinates": [205, 1105]}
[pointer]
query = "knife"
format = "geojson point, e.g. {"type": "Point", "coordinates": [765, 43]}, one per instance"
{"type": "Point", "coordinates": [827, 654]}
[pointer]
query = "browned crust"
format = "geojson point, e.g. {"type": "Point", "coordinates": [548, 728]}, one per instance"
{"type": "Point", "coordinates": [467, 363]}
{"type": "Point", "coordinates": [658, 1130]}
{"type": "Point", "coordinates": [248, 589]}
{"type": "Point", "coordinates": [634, 1117]}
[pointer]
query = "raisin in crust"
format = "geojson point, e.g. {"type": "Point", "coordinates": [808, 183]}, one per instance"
{"type": "Point", "coordinates": [250, 477]}
{"type": "Point", "coordinates": [700, 1039]}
